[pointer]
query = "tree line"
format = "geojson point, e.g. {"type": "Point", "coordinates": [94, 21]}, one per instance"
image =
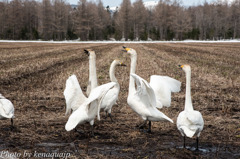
{"type": "Point", "coordinates": [169, 20]}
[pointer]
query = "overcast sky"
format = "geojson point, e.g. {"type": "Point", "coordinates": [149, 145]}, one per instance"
{"type": "Point", "coordinates": [113, 3]}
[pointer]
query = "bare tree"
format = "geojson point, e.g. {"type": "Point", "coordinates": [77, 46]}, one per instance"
{"type": "Point", "coordinates": [60, 20]}
{"type": "Point", "coordinates": [30, 20]}
{"type": "Point", "coordinates": [46, 23]}
{"type": "Point", "coordinates": [124, 19]}
{"type": "Point", "coordinates": [139, 19]}
{"type": "Point", "coordinates": [181, 22]}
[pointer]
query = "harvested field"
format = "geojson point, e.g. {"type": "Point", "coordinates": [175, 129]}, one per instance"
{"type": "Point", "coordinates": [33, 76]}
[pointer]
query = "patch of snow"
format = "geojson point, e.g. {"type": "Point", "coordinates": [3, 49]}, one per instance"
{"type": "Point", "coordinates": [108, 41]}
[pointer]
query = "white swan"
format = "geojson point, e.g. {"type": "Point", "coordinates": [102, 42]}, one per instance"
{"type": "Point", "coordinates": [89, 109]}
{"type": "Point", "coordinates": [111, 97]}
{"type": "Point", "coordinates": [143, 98]}
{"type": "Point", "coordinates": [73, 92]}
{"type": "Point", "coordinates": [6, 109]}
{"type": "Point", "coordinates": [189, 122]}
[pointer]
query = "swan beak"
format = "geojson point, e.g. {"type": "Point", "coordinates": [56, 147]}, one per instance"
{"type": "Point", "coordinates": [86, 52]}
{"type": "Point", "coordinates": [122, 64]}
{"type": "Point", "coordinates": [126, 49]}
{"type": "Point", "coordinates": [181, 66]}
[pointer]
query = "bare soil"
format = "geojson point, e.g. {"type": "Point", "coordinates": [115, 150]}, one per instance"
{"type": "Point", "coordinates": [33, 76]}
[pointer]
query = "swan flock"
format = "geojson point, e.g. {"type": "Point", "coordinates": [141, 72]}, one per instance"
{"type": "Point", "coordinates": [145, 98]}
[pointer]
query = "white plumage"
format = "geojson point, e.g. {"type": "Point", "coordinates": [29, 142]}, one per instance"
{"type": "Point", "coordinates": [189, 122]}
{"type": "Point", "coordinates": [6, 109]}
{"type": "Point", "coordinates": [73, 94]}
{"type": "Point", "coordinates": [92, 82]}
{"type": "Point", "coordinates": [89, 109]}
{"type": "Point", "coordinates": [144, 99]}
{"type": "Point", "coordinates": [111, 97]}
{"type": "Point", "coordinates": [163, 86]}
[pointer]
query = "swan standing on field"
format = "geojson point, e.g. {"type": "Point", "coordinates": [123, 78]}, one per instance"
{"type": "Point", "coordinates": [189, 122]}
{"type": "Point", "coordinates": [6, 109]}
{"type": "Point", "coordinates": [73, 92]}
{"type": "Point", "coordinates": [89, 109]}
{"type": "Point", "coordinates": [111, 97]}
{"type": "Point", "coordinates": [143, 98]}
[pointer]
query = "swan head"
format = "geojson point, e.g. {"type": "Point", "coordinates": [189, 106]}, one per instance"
{"type": "Point", "coordinates": [119, 63]}
{"type": "Point", "coordinates": [185, 68]}
{"type": "Point", "coordinates": [130, 51]}
{"type": "Point", "coordinates": [89, 52]}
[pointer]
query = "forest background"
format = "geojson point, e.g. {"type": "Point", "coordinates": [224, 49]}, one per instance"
{"type": "Point", "coordinates": [168, 20]}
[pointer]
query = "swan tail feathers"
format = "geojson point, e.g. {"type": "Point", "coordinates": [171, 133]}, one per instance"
{"type": "Point", "coordinates": [189, 133]}
{"type": "Point", "coordinates": [166, 117]}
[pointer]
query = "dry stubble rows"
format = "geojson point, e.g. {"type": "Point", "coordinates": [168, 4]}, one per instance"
{"type": "Point", "coordinates": [33, 77]}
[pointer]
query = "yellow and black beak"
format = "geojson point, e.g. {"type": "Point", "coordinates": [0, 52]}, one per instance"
{"type": "Point", "coordinates": [122, 64]}
{"type": "Point", "coordinates": [181, 66]}
{"type": "Point", "coordinates": [126, 49]}
{"type": "Point", "coordinates": [86, 52]}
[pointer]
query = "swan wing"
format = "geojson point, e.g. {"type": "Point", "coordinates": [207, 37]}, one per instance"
{"type": "Point", "coordinates": [144, 91]}
{"type": "Point", "coordinates": [73, 94]}
{"type": "Point", "coordinates": [81, 114]}
{"type": "Point", "coordinates": [6, 108]}
{"type": "Point", "coordinates": [99, 93]}
{"type": "Point", "coordinates": [78, 116]}
{"type": "Point", "coordinates": [163, 86]}
{"type": "Point", "coordinates": [110, 98]}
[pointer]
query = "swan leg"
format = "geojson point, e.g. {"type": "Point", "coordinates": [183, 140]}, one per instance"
{"type": "Point", "coordinates": [12, 124]}
{"type": "Point", "coordinates": [92, 130]}
{"type": "Point", "coordinates": [184, 143]}
{"type": "Point", "coordinates": [110, 115]}
{"type": "Point", "coordinates": [106, 115]}
{"type": "Point", "coordinates": [149, 127]}
{"type": "Point", "coordinates": [197, 143]}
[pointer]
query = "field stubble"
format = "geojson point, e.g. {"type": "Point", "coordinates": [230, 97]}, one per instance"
{"type": "Point", "coordinates": [33, 77]}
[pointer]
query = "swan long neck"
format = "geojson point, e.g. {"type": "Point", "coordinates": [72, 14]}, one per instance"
{"type": "Point", "coordinates": [92, 71]}
{"type": "Point", "coordinates": [112, 72]}
{"type": "Point", "coordinates": [188, 98]}
{"type": "Point", "coordinates": [132, 70]}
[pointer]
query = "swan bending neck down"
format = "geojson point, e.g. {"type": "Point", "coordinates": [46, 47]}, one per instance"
{"type": "Point", "coordinates": [142, 99]}
{"type": "Point", "coordinates": [189, 122]}
{"type": "Point", "coordinates": [111, 97]}
{"type": "Point", "coordinates": [92, 82]}
{"type": "Point", "coordinates": [6, 109]}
